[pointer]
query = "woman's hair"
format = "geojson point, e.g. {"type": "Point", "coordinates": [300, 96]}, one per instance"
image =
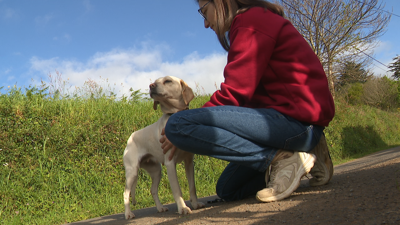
{"type": "Point", "coordinates": [226, 10]}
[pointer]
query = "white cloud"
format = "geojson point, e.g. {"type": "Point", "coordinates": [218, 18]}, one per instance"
{"type": "Point", "coordinates": [63, 38]}
{"type": "Point", "coordinates": [379, 70]}
{"type": "Point", "coordinates": [8, 13]}
{"type": "Point", "coordinates": [189, 34]}
{"type": "Point", "coordinates": [43, 20]}
{"type": "Point", "coordinates": [43, 64]}
{"type": "Point", "coordinates": [384, 53]}
{"type": "Point", "coordinates": [87, 5]}
{"type": "Point", "coordinates": [122, 69]}
{"type": "Point", "coordinates": [383, 46]}
{"type": "Point", "coordinates": [205, 73]}
{"type": "Point", "coordinates": [381, 52]}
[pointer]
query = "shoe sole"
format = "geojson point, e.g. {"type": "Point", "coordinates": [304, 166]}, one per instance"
{"type": "Point", "coordinates": [303, 170]}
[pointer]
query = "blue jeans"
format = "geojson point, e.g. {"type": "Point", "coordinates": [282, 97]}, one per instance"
{"type": "Point", "coordinates": [247, 138]}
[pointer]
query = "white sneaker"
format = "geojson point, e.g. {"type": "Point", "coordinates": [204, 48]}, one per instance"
{"type": "Point", "coordinates": [323, 168]}
{"type": "Point", "coordinates": [281, 154]}
{"type": "Point", "coordinates": [285, 176]}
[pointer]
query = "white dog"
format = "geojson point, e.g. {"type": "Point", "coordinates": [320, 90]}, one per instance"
{"type": "Point", "coordinates": [143, 148]}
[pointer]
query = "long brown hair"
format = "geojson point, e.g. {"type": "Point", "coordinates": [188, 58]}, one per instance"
{"type": "Point", "coordinates": [226, 10]}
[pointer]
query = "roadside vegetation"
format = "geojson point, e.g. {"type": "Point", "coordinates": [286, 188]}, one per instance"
{"type": "Point", "coordinates": [61, 153]}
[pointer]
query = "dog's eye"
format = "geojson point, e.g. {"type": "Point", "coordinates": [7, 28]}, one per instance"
{"type": "Point", "coordinates": [167, 81]}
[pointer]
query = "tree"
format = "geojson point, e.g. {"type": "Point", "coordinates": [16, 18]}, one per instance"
{"type": "Point", "coordinates": [337, 28]}
{"type": "Point", "coordinates": [395, 68]}
{"type": "Point", "coordinates": [355, 93]}
{"type": "Point", "coordinates": [352, 72]}
{"type": "Point", "coordinates": [381, 92]}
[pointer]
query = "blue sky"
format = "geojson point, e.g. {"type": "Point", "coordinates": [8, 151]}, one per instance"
{"type": "Point", "coordinates": [123, 43]}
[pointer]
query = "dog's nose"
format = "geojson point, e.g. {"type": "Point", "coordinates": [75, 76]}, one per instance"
{"type": "Point", "coordinates": [153, 85]}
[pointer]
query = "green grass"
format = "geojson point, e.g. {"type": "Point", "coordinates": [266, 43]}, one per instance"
{"type": "Point", "coordinates": [61, 159]}
{"type": "Point", "coordinates": [357, 131]}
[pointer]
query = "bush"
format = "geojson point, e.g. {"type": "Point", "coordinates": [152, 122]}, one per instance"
{"type": "Point", "coordinates": [381, 93]}
{"type": "Point", "coordinates": [355, 92]}
{"type": "Point", "coordinates": [351, 93]}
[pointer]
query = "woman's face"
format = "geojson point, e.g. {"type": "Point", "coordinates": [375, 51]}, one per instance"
{"type": "Point", "coordinates": [209, 12]}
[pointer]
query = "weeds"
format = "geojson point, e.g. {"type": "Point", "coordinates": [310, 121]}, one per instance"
{"type": "Point", "coordinates": [61, 153]}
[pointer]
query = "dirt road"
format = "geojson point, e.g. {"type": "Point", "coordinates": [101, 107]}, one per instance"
{"type": "Point", "coordinates": [363, 191]}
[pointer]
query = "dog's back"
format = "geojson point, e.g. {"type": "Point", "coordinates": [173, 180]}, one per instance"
{"type": "Point", "coordinates": [146, 142]}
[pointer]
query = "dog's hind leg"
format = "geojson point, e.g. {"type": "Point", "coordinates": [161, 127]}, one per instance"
{"type": "Point", "coordinates": [176, 190]}
{"type": "Point", "coordinates": [154, 170]}
{"type": "Point", "coordinates": [131, 174]}
{"type": "Point", "coordinates": [189, 168]}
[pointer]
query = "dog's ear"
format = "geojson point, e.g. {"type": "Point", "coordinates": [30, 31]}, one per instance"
{"type": "Point", "coordinates": [155, 105]}
{"type": "Point", "coordinates": [187, 92]}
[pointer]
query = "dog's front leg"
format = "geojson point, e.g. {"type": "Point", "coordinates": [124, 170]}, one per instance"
{"type": "Point", "coordinates": [189, 168]}
{"type": "Point", "coordinates": [131, 173]}
{"type": "Point", "coordinates": [176, 190]}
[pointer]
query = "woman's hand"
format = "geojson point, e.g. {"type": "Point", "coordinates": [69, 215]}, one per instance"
{"type": "Point", "coordinates": [166, 145]}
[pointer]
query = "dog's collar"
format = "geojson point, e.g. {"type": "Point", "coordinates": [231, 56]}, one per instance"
{"type": "Point", "coordinates": [170, 114]}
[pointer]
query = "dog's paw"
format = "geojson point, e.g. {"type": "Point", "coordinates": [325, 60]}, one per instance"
{"type": "Point", "coordinates": [162, 209]}
{"type": "Point", "coordinates": [185, 210]}
{"type": "Point", "coordinates": [129, 215]}
{"type": "Point", "coordinates": [198, 205]}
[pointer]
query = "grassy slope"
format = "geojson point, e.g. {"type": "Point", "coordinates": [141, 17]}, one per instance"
{"type": "Point", "coordinates": [61, 160]}
{"type": "Point", "coordinates": [357, 131]}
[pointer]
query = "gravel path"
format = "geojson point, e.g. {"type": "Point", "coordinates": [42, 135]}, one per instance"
{"type": "Point", "coordinates": [363, 191]}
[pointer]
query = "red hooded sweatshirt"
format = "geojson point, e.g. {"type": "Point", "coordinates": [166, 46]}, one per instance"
{"type": "Point", "coordinates": [270, 65]}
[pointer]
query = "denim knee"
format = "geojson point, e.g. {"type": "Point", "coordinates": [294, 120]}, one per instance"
{"type": "Point", "coordinates": [171, 126]}
{"type": "Point", "coordinates": [238, 182]}
{"type": "Point", "coordinates": [219, 189]}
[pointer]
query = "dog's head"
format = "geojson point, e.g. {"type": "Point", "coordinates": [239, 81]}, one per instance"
{"type": "Point", "coordinates": [172, 93]}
